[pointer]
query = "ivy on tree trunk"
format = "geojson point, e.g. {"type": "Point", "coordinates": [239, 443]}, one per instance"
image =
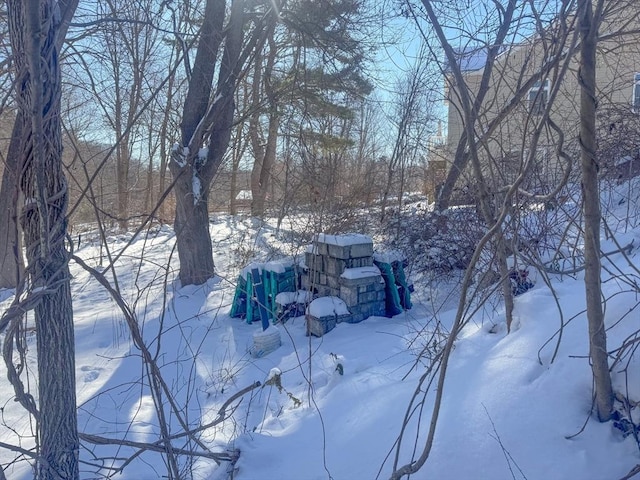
{"type": "Point", "coordinates": [33, 29]}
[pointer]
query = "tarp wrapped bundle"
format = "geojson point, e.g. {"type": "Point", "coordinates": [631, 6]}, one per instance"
{"type": "Point", "coordinates": [397, 289]}
{"type": "Point", "coordinates": [276, 277]}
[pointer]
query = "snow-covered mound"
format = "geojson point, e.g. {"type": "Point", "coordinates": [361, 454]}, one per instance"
{"type": "Point", "coordinates": [516, 406]}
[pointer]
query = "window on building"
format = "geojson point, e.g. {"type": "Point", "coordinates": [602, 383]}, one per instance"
{"type": "Point", "coordinates": [636, 93]}
{"type": "Point", "coordinates": [538, 96]}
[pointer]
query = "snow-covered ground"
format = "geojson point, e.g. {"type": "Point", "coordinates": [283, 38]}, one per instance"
{"type": "Point", "coordinates": [333, 407]}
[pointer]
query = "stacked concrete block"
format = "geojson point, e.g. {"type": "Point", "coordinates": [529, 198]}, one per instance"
{"type": "Point", "coordinates": [324, 313]}
{"type": "Point", "coordinates": [329, 256]}
{"type": "Point", "coordinates": [342, 266]}
{"type": "Point", "coordinates": [362, 289]}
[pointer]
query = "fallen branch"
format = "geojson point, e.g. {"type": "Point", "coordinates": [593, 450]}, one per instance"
{"type": "Point", "coordinates": [623, 250]}
{"type": "Point", "coordinates": [161, 447]}
{"type": "Point", "coordinates": [15, 448]}
{"type": "Point", "coordinates": [154, 447]}
{"type": "Point", "coordinates": [634, 471]}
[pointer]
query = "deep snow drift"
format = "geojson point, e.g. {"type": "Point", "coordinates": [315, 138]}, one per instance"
{"type": "Point", "coordinates": [333, 407]}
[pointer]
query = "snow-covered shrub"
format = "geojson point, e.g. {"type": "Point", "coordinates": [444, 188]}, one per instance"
{"type": "Point", "coordinates": [440, 242]}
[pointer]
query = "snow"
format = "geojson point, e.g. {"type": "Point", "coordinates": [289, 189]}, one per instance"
{"type": "Point", "coordinates": [470, 59]}
{"type": "Point", "coordinates": [327, 306]}
{"type": "Point", "coordinates": [244, 195]}
{"type": "Point", "coordinates": [287, 298]}
{"type": "Point", "coordinates": [203, 152]}
{"type": "Point", "coordinates": [333, 407]}
{"type": "Point", "coordinates": [389, 256]}
{"type": "Point", "coordinates": [343, 240]}
{"type": "Point", "coordinates": [360, 272]}
{"type": "Point", "coordinates": [269, 332]}
{"type": "Point", "coordinates": [276, 266]}
{"type": "Point", "coordinates": [183, 156]}
{"type": "Point", "coordinates": [196, 188]}
{"type": "Point", "coordinates": [274, 372]}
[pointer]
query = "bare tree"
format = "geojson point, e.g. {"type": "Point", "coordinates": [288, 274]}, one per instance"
{"type": "Point", "coordinates": [470, 102]}
{"type": "Point", "coordinates": [11, 265]}
{"type": "Point", "coordinates": [264, 149]}
{"type": "Point", "coordinates": [34, 28]}
{"type": "Point", "coordinates": [131, 66]}
{"type": "Point", "coordinates": [484, 102]}
{"type": "Point", "coordinates": [589, 23]}
{"type": "Point", "coordinates": [410, 119]}
{"type": "Point", "coordinates": [207, 121]}
{"type": "Point", "coordinates": [545, 59]}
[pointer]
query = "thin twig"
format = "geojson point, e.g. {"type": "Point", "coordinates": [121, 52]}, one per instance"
{"type": "Point", "coordinates": [632, 473]}
{"type": "Point", "coordinates": [507, 455]}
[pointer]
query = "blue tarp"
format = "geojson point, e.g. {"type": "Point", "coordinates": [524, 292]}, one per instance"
{"type": "Point", "coordinates": [245, 304]}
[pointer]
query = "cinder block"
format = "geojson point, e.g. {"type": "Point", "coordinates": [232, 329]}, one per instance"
{"type": "Point", "coordinates": [361, 281]}
{"type": "Point", "coordinates": [360, 262]}
{"type": "Point", "coordinates": [327, 291]}
{"type": "Point", "coordinates": [333, 281]}
{"type": "Point", "coordinates": [349, 295]}
{"type": "Point", "coordinates": [314, 278]}
{"type": "Point", "coordinates": [361, 289]}
{"type": "Point", "coordinates": [340, 251]}
{"type": "Point", "coordinates": [371, 287]}
{"type": "Point", "coordinates": [367, 297]}
{"type": "Point", "coordinates": [335, 266]}
{"type": "Point", "coordinates": [357, 318]}
{"type": "Point", "coordinates": [377, 309]}
{"type": "Point", "coordinates": [321, 290]}
{"type": "Point", "coordinates": [314, 262]}
{"type": "Point", "coordinates": [319, 326]}
{"type": "Point", "coordinates": [323, 248]}
{"type": "Point", "coordinates": [369, 309]}
{"type": "Point", "coordinates": [361, 250]}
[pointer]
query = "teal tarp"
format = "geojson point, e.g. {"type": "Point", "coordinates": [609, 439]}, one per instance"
{"type": "Point", "coordinates": [391, 295]}
{"type": "Point", "coordinates": [397, 290]}
{"type": "Point", "coordinates": [244, 301]}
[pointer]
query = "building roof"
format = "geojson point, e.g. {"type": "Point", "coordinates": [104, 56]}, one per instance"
{"type": "Point", "coordinates": [470, 58]}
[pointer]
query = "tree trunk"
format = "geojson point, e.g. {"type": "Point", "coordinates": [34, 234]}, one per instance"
{"type": "Point", "coordinates": [255, 136]}
{"type": "Point", "coordinates": [33, 28]}
{"type": "Point", "coordinates": [460, 162]}
{"type": "Point", "coordinates": [233, 183]}
{"type": "Point", "coordinates": [122, 174]}
{"type": "Point", "coordinates": [192, 234]}
{"type": "Point", "coordinates": [264, 156]}
{"type": "Point", "coordinates": [187, 166]}
{"type": "Point", "coordinates": [122, 165]}
{"type": "Point", "coordinates": [269, 160]}
{"type": "Point", "coordinates": [164, 127]}
{"type": "Point", "coordinates": [261, 177]}
{"type": "Point", "coordinates": [11, 263]}
{"type": "Point", "coordinates": [208, 123]}
{"type": "Point", "coordinates": [504, 270]}
{"type": "Point", "coordinates": [591, 205]}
